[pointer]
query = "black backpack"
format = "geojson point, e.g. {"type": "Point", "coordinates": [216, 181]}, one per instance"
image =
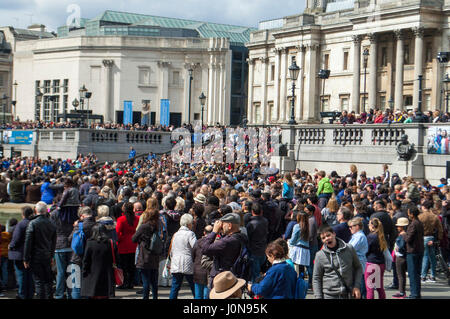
{"type": "Point", "coordinates": [241, 267]}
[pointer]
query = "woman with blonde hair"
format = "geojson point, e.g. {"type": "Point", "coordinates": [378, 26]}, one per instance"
{"type": "Point", "coordinates": [375, 266]}
{"type": "Point", "coordinates": [221, 194]}
{"type": "Point", "coordinates": [330, 211]}
{"type": "Point", "coordinates": [288, 187]}
{"type": "Point", "coordinates": [151, 204]}
{"type": "Point", "coordinates": [110, 183]}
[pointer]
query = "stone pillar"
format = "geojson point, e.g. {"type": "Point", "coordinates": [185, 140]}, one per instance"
{"type": "Point", "coordinates": [251, 71]}
{"type": "Point", "coordinates": [399, 61]}
{"type": "Point", "coordinates": [276, 85]}
{"type": "Point", "coordinates": [108, 108]}
{"type": "Point", "coordinates": [283, 103]}
{"type": "Point", "coordinates": [164, 79]}
{"type": "Point", "coordinates": [311, 87]}
{"type": "Point", "coordinates": [264, 111]}
{"type": "Point", "coordinates": [356, 89]}
{"type": "Point", "coordinates": [418, 63]}
{"type": "Point", "coordinates": [217, 105]}
{"type": "Point", "coordinates": [300, 84]}
{"type": "Point", "coordinates": [221, 93]}
{"type": "Point", "coordinates": [373, 71]}
{"type": "Point", "coordinates": [210, 96]}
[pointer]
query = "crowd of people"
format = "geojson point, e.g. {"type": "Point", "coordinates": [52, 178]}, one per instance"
{"type": "Point", "coordinates": [163, 223]}
{"type": "Point", "coordinates": [388, 116]}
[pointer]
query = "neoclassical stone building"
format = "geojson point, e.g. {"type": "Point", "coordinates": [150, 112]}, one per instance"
{"type": "Point", "coordinates": [375, 51]}
{"type": "Point", "coordinates": [125, 57]}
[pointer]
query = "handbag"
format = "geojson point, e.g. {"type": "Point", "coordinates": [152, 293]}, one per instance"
{"type": "Point", "coordinates": [118, 273]}
{"type": "Point", "coordinates": [166, 273]}
{"type": "Point", "coordinates": [387, 260]}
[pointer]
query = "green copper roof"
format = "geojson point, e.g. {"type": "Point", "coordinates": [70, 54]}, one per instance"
{"type": "Point", "coordinates": [236, 34]}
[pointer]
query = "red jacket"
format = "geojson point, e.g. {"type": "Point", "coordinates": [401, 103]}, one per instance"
{"type": "Point", "coordinates": [124, 234]}
{"type": "Point", "coordinates": [379, 119]}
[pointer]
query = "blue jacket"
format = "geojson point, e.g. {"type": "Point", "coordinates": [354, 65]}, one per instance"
{"type": "Point", "coordinates": [359, 242]}
{"type": "Point", "coordinates": [47, 194]}
{"type": "Point", "coordinates": [288, 191]}
{"type": "Point", "coordinates": [18, 240]}
{"type": "Point", "coordinates": [296, 238]}
{"type": "Point", "coordinates": [278, 283]}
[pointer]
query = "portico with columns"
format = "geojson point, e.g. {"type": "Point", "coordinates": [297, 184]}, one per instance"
{"type": "Point", "coordinates": [402, 42]}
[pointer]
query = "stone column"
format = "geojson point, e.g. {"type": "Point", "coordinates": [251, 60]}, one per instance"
{"type": "Point", "coordinates": [300, 84]}
{"type": "Point", "coordinates": [356, 88]}
{"type": "Point", "coordinates": [251, 71]}
{"type": "Point", "coordinates": [373, 71]}
{"type": "Point", "coordinates": [418, 63]}
{"type": "Point", "coordinates": [264, 111]}
{"type": "Point", "coordinates": [210, 97]}
{"type": "Point", "coordinates": [276, 79]}
{"type": "Point", "coordinates": [108, 108]}
{"type": "Point", "coordinates": [217, 106]}
{"type": "Point", "coordinates": [399, 61]}
{"type": "Point", "coordinates": [311, 87]}
{"type": "Point", "coordinates": [164, 79]}
{"type": "Point", "coordinates": [283, 104]}
{"type": "Point", "coordinates": [221, 93]}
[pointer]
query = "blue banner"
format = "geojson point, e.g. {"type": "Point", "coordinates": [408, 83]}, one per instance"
{"type": "Point", "coordinates": [127, 112]}
{"type": "Point", "coordinates": [165, 112]}
{"type": "Point", "coordinates": [17, 137]}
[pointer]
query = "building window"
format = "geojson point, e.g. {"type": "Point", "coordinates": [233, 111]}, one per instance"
{"type": "Point", "coordinates": [55, 86]}
{"type": "Point", "coordinates": [344, 103]}
{"type": "Point", "coordinates": [364, 103]}
{"type": "Point", "coordinates": [65, 103]}
{"type": "Point", "coordinates": [66, 86]}
{"type": "Point", "coordinates": [272, 111]}
{"type": "Point", "coordinates": [257, 107]}
{"type": "Point", "coordinates": [144, 76]}
{"type": "Point", "coordinates": [47, 86]}
{"type": "Point", "coordinates": [326, 59]}
{"type": "Point", "coordinates": [406, 54]}
{"type": "Point", "coordinates": [325, 100]}
{"type": "Point", "coordinates": [427, 101]}
{"type": "Point", "coordinates": [429, 52]}
{"type": "Point", "coordinates": [408, 100]}
{"type": "Point", "coordinates": [345, 68]}
{"type": "Point", "coordinates": [176, 77]}
{"type": "Point", "coordinates": [2, 79]}
{"type": "Point", "coordinates": [272, 72]}
{"type": "Point", "coordinates": [47, 106]}
{"type": "Point", "coordinates": [55, 108]}
{"type": "Point", "coordinates": [383, 102]}
{"type": "Point", "coordinates": [384, 56]}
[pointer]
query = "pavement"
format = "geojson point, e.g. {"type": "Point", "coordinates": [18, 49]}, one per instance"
{"type": "Point", "coordinates": [438, 290]}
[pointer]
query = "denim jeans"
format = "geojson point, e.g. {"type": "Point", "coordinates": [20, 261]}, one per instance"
{"type": "Point", "coordinates": [201, 291]}
{"type": "Point", "coordinates": [414, 264]}
{"type": "Point", "coordinates": [429, 257]}
{"type": "Point", "coordinates": [177, 280]}
{"type": "Point", "coordinates": [24, 280]}
{"type": "Point", "coordinates": [42, 275]}
{"type": "Point", "coordinates": [256, 263]}
{"type": "Point", "coordinates": [75, 275]}
{"type": "Point", "coordinates": [5, 272]}
{"type": "Point", "coordinates": [149, 277]}
{"type": "Point", "coordinates": [62, 260]}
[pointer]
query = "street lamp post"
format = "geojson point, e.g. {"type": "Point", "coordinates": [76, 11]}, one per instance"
{"type": "Point", "coordinates": [446, 82]}
{"type": "Point", "coordinates": [82, 91]}
{"type": "Point", "coordinates": [323, 74]}
{"type": "Point", "coordinates": [419, 116]}
{"type": "Point", "coordinates": [189, 102]}
{"type": "Point", "coordinates": [14, 102]}
{"type": "Point", "coordinates": [39, 96]}
{"type": "Point", "coordinates": [202, 99]}
{"type": "Point", "coordinates": [294, 70]}
{"type": "Point", "coordinates": [366, 57]}
{"type": "Point", "coordinates": [88, 95]}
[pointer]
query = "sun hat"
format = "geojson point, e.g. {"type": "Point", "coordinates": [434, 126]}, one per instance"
{"type": "Point", "coordinates": [225, 285]}
{"type": "Point", "coordinates": [402, 221]}
{"type": "Point", "coordinates": [200, 198]}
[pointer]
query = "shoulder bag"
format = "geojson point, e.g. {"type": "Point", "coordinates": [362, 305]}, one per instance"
{"type": "Point", "coordinates": [118, 273]}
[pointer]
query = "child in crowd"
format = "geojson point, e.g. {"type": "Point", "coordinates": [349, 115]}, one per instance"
{"type": "Point", "coordinates": [400, 256]}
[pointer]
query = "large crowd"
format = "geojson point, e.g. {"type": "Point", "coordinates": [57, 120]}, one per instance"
{"type": "Point", "coordinates": [391, 116]}
{"type": "Point", "coordinates": [228, 229]}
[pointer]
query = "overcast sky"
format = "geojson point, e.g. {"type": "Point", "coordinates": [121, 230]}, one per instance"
{"type": "Point", "coordinates": [54, 13]}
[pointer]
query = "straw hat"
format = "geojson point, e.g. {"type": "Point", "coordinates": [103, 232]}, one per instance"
{"type": "Point", "coordinates": [225, 285]}
{"type": "Point", "coordinates": [402, 221]}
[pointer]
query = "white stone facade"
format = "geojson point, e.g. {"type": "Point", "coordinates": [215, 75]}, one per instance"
{"type": "Point", "coordinates": [126, 68]}
{"type": "Point", "coordinates": [403, 39]}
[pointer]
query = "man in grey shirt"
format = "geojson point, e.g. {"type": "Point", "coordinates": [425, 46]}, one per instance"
{"type": "Point", "coordinates": [337, 270]}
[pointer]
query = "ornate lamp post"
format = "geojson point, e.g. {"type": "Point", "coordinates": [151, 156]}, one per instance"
{"type": "Point", "coordinates": [294, 70]}
{"type": "Point", "coordinates": [446, 82]}
{"type": "Point", "coordinates": [4, 98]}
{"type": "Point", "coordinates": [189, 102]}
{"type": "Point", "coordinates": [39, 96]}
{"type": "Point", "coordinates": [202, 99]}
